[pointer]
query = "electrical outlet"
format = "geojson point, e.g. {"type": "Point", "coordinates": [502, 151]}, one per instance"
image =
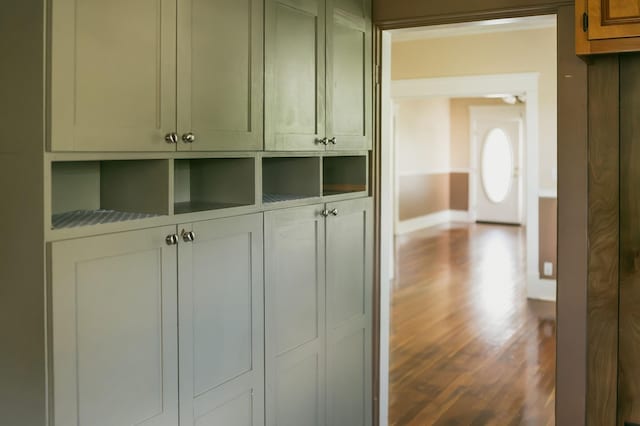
{"type": "Point", "coordinates": [548, 269]}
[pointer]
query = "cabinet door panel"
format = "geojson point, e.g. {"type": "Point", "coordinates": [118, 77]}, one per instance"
{"type": "Point", "coordinates": [295, 74]}
{"type": "Point", "coordinates": [349, 298]}
{"type": "Point", "coordinates": [113, 75]}
{"type": "Point", "coordinates": [220, 74]}
{"type": "Point", "coordinates": [349, 88]}
{"type": "Point", "coordinates": [114, 315]}
{"type": "Point", "coordinates": [221, 323]}
{"type": "Point", "coordinates": [613, 19]}
{"type": "Point", "coordinates": [295, 315]}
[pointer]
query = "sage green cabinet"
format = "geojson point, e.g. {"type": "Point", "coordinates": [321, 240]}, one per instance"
{"type": "Point", "coordinates": [221, 322]}
{"type": "Point", "coordinates": [220, 74]}
{"type": "Point", "coordinates": [295, 316]}
{"type": "Point", "coordinates": [156, 75]}
{"type": "Point", "coordinates": [318, 286]}
{"type": "Point", "coordinates": [349, 268]}
{"type": "Point", "coordinates": [318, 75]}
{"type": "Point", "coordinates": [114, 330]}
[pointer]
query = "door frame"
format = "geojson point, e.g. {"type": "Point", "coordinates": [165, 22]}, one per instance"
{"type": "Point", "coordinates": [573, 172]}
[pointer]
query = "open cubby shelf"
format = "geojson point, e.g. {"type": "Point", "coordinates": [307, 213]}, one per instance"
{"type": "Point", "coordinates": [344, 174]}
{"type": "Point", "coordinates": [213, 183]}
{"type": "Point", "coordinates": [96, 192]}
{"type": "Point", "coordinates": [290, 178]}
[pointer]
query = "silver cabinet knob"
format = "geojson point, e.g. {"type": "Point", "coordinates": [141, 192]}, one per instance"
{"type": "Point", "coordinates": [171, 138]}
{"type": "Point", "coordinates": [172, 240]}
{"type": "Point", "coordinates": [188, 138]}
{"type": "Point", "coordinates": [334, 212]}
{"type": "Point", "coordinates": [324, 213]}
{"type": "Point", "coordinates": [188, 237]}
{"type": "Point", "coordinates": [332, 141]}
{"type": "Point", "coordinates": [323, 141]}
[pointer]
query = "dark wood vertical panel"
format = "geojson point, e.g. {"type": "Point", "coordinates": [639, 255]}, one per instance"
{"type": "Point", "coordinates": [572, 228]}
{"type": "Point", "coordinates": [629, 314]}
{"type": "Point", "coordinates": [602, 307]}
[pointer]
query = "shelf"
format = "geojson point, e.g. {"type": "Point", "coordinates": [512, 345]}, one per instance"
{"type": "Point", "coordinates": [87, 193]}
{"type": "Point", "coordinates": [290, 178]}
{"type": "Point", "coordinates": [213, 183]}
{"type": "Point", "coordinates": [79, 218]}
{"type": "Point", "coordinates": [344, 174]}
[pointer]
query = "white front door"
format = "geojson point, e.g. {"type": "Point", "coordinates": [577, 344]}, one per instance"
{"type": "Point", "coordinates": [497, 133]}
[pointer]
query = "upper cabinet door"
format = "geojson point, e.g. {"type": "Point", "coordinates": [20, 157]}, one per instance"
{"type": "Point", "coordinates": [349, 90]}
{"type": "Point", "coordinates": [295, 75]}
{"type": "Point", "coordinates": [220, 74]}
{"type": "Point", "coordinates": [113, 75]}
{"type": "Point", "coordinates": [613, 19]}
{"type": "Point", "coordinates": [114, 330]}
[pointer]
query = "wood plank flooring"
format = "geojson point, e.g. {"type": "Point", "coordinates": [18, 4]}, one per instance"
{"type": "Point", "coordinates": [467, 347]}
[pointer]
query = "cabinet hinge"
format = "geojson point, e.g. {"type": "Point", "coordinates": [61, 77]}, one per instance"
{"type": "Point", "coordinates": [377, 74]}
{"type": "Point", "coordinates": [585, 22]}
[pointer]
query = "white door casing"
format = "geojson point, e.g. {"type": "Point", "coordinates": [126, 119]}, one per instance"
{"type": "Point", "coordinates": [496, 190]}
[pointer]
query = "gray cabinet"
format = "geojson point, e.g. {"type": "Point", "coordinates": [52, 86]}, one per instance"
{"type": "Point", "coordinates": [114, 330]}
{"type": "Point", "coordinates": [318, 75]}
{"type": "Point", "coordinates": [156, 75]}
{"type": "Point", "coordinates": [221, 322]}
{"type": "Point", "coordinates": [318, 266]}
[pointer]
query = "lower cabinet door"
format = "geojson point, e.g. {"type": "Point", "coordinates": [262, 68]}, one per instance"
{"type": "Point", "coordinates": [295, 315]}
{"type": "Point", "coordinates": [114, 330]}
{"type": "Point", "coordinates": [349, 267]}
{"type": "Point", "coordinates": [221, 322]}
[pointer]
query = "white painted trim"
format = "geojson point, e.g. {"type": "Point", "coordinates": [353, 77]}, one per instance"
{"type": "Point", "coordinates": [387, 222]}
{"type": "Point", "coordinates": [548, 193]}
{"type": "Point", "coordinates": [541, 288]}
{"type": "Point", "coordinates": [430, 220]}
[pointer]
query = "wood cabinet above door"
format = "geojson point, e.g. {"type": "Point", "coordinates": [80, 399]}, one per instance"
{"type": "Point", "coordinates": [607, 26]}
{"type": "Point", "coordinates": [156, 75]}
{"type": "Point", "coordinates": [113, 78]}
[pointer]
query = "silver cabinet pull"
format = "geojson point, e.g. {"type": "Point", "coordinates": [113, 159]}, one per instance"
{"type": "Point", "coordinates": [189, 138]}
{"type": "Point", "coordinates": [171, 138]}
{"type": "Point", "coordinates": [324, 213]}
{"type": "Point", "coordinates": [334, 212]}
{"type": "Point", "coordinates": [172, 240]}
{"type": "Point", "coordinates": [188, 236]}
{"type": "Point", "coordinates": [323, 141]}
{"type": "Point", "coordinates": [332, 141]}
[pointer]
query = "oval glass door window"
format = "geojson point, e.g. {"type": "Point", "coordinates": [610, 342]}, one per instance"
{"type": "Point", "coordinates": [497, 165]}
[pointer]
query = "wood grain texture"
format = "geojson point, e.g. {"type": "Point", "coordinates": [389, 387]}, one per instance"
{"type": "Point", "coordinates": [602, 305]}
{"type": "Point", "coordinates": [467, 347]}
{"type": "Point", "coordinates": [629, 315]}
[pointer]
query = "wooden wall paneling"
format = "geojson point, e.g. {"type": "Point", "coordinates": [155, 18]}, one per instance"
{"type": "Point", "coordinates": [629, 320]}
{"type": "Point", "coordinates": [603, 228]}
{"type": "Point", "coordinates": [571, 304]}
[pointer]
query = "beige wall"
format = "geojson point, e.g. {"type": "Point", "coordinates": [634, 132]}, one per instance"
{"type": "Point", "coordinates": [494, 53]}
{"type": "Point", "coordinates": [422, 136]}
{"type": "Point", "coordinates": [460, 129]}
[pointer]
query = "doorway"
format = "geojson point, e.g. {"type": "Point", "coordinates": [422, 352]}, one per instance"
{"type": "Point", "coordinates": [525, 210]}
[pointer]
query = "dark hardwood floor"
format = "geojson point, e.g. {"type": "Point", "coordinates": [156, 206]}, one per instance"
{"type": "Point", "coordinates": [467, 347]}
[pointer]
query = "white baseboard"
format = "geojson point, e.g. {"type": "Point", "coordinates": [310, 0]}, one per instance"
{"type": "Point", "coordinates": [433, 219]}
{"type": "Point", "coordinates": [541, 288]}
